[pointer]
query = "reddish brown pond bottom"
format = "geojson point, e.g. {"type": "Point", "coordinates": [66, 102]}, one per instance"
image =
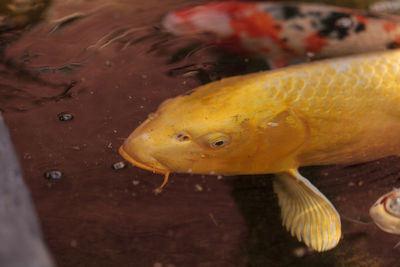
{"type": "Point", "coordinates": [97, 215]}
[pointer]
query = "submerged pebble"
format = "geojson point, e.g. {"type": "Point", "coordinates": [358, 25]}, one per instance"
{"type": "Point", "coordinates": [65, 116]}
{"type": "Point", "coordinates": [77, 148]}
{"type": "Point", "coordinates": [73, 243]}
{"type": "Point", "coordinates": [119, 165]}
{"type": "Point", "coordinates": [53, 174]}
{"type": "Point", "coordinates": [302, 251]}
{"type": "Point", "coordinates": [198, 188]}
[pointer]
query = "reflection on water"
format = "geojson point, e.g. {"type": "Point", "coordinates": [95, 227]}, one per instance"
{"type": "Point", "coordinates": [21, 13]}
{"type": "Point", "coordinates": [108, 65]}
{"type": "Point", "coordinates": [15, 15]}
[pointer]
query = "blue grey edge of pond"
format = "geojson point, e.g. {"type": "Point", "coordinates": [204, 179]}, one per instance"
{"type": "Point", "coordinates": [21, 242]}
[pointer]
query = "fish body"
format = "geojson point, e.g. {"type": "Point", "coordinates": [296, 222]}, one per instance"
{"type": "Point", "coordinates": [334, 111]}
{"type": "Point", "coordinates": [286, 32]}
{"type": "Point", "coordinates": [337, 111]}
{"type": "Point", "coordinates": [386, 212]}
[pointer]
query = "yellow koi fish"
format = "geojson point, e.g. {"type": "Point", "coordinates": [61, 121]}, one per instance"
{"type": "Point", "coordinates": [337, 111]}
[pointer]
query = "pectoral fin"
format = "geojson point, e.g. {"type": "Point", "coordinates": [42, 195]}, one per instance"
{"type": "Point", "coordinates": [306, 212]}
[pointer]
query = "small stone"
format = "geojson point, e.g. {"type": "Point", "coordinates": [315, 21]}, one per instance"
{"type": "Point", "coordinates": [198, 188]}
{"type": "Point", "coordinates": [191, 73]}
{"type": "Point", "coordinates": [219, 177]}
{"type": "Point", "coordinates": [135, 182]}
{"type": "Point", "coordinates": [299, 252]}
{"type": "Point", "coordinates": [351, 184]}
{"type": "Point", "coordinates": [74, 243]}
{"type": "Point", "coordinates": [360, 183]}
{"type": "Point", "coordinates": [119, 165]}
{"type": "Point", "coordinates": [65, 116]}
{"type": "Point", "coordinates": [77, 148]}
{"type": "Point", "coordinates": [53, 174]}
{"type": "Point", "coordinates": [157, 264]}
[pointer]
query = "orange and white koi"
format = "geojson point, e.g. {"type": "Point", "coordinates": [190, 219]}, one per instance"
{"type": "Point", "coordinates": [285, 33]}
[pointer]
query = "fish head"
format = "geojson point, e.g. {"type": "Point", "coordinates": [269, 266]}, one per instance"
{"type": "Point", "coordinates": [214, 131]}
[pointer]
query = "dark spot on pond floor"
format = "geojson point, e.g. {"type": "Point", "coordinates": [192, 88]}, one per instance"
{"type": "Point", "coordinates": [53, 174]}
{"type": "Point", "coordinates": [65, 116]}
{"type": "Point", "coordinates": [119, 165]}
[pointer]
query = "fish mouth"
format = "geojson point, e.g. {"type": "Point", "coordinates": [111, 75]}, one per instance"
{"type": "Point", "coordinates": [141, 165]}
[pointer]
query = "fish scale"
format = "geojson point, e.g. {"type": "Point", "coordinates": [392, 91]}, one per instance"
{"type": "Point", "coordinates": [375, 88]}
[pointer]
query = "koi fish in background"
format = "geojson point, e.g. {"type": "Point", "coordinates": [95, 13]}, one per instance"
{"type": "Point", "coordinates": [386, 212]}
{"type": "Point", "coordinates": [286, 33]}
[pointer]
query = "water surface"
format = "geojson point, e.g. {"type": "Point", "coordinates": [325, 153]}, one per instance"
{"type": "Point", "coordinates": [108, 65]}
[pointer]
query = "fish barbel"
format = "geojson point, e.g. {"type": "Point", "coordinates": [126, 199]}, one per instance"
{"type": "Point", "coordinates": [286, 32]}
{"type": "Point", "coordinates": [336, 111]}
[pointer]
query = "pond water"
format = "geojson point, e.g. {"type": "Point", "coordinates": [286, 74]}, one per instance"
{"type": "Point", "coordinates": [78, 76]}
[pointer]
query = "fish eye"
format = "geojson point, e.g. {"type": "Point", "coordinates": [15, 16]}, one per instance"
{"type": "Point", "coordinates": [181, 137]}
{"type": "Point", "coordinates": [218, 143]}
{"type": "Point", "coordinates": [217, 140]}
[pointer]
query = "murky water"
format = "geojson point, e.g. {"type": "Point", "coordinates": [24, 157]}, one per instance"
{"type": "Point", "coordinates": [76, 77]}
